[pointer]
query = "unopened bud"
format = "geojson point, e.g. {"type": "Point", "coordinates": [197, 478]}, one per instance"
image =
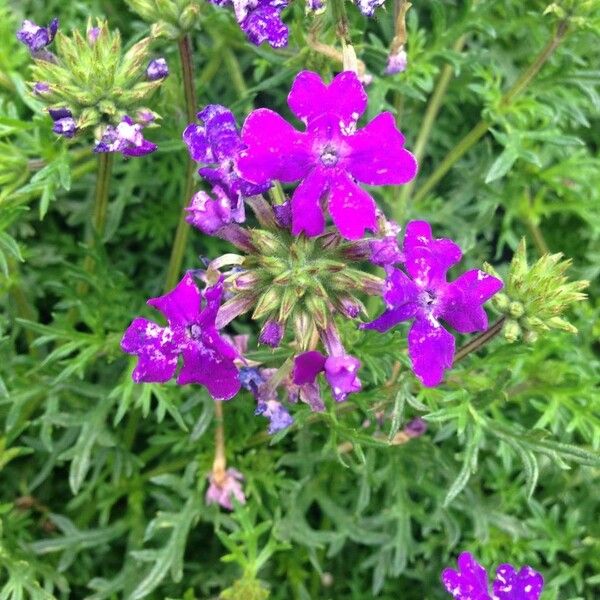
{"type": "Point", "coordinates": [512, 331]}
{"type": "Point", "coordinates": [271, 333]}
{"type": "Point", "coordinates": [530, 337]}
{"type": "Point", "coordinates": [516, 310]}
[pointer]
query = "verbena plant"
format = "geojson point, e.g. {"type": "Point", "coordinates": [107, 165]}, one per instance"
{"type": "Point", "coordinates": [323, 412]}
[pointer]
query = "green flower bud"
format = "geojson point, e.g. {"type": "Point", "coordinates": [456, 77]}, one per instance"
{"type": "Point", "coordinates": [511, 331]}
{"type": "Point", "coordinates": [515, 309]}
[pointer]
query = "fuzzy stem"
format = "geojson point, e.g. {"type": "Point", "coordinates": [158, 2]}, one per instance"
{"type": "Point", "coordinates": [183, 229]}
{"type": "Point", "coordinates": [482, 127]}
{"type": "Point", "coordinates": [220, 462]}
{"type": "Point", "coordinates": [482, 339]}
{"type": "Point", "coordinates": [431, 113]}
{"type": "Point", "coordinates": [537, 235]}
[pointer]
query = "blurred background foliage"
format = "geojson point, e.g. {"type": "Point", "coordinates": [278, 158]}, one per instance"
{"type": "Point", "coordinates": [102, 481]}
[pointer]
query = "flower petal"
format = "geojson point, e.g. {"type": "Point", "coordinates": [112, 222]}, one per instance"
{"type": "Point", "coordinates": [155, 349]}
{"type": "Point", "coordinates": [431, 351]}
{"type": "Point", "coordinates": [307, 214]}
{"type": "Point", "coordinates": [527, 584]}
{"type": "Point", "coordinates": [307, 366]}
{"type": "Point", "coordinates": [221, 131]}
{"type": "Point", "coordinates": [341, 373]}
{"type": "Point", "coordinates": [205, 365]}
{"type": "Point", "coordinates": [181, 306]}
{"type": "Point", "coordinates": [264, 24]}
{"type": "Point", "coordinates": [399, 289]}
{"type": "Point", "coordinates": [351, 208]}
{"type": "Point", "coordinates": [345, 96]}
{"type": "Point", "coordinates": [427, 260]}
{"type": "Point", "coordinates": [274, 149]}
{"type": "Point", "coordinates": [469, 582]}
{"type": "Point", "coordinates": [378, 155]}
{"type": "Point", "coordinates": [390, 318]}
{"type": "Point", "coordinates": [464, 299]}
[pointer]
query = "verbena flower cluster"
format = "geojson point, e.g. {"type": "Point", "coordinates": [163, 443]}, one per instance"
{"type": "Point", "coordinates": [296, 275]}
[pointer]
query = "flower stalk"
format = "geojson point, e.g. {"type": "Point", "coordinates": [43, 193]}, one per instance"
{"type": "Point", "coordinates": [219, 462]}
{"type": "Point", "coordinates": [481, 340]}
{"type": "Point", "coordinates": [483, 126]}
{"type": "Point", "coordinates": [182, 231]}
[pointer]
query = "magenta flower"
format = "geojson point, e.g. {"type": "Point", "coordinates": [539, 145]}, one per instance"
{"type": "Point", "coordinates": [210, 214]}
{"type": "Point", "coordinates": [340, 372]}
{"type": "Point", "coordinates": [425, 296]}
{"type": "Point", "coordinates": [221, 492]}
{"type": "Point", "coordinates": [470, 581]}
{"type": "Point", "coordinates": [36, 38]}
{"type": "Point", "coordinates": [157, 69]}
{"type": "Point", "coordinates": [329, 157]}
{"type": "Point", "coordinates": [207, 358]}
{"type": "Point", "coordinates": [260, 20]}
{"type": "Point", "coordinates": [126, 138]}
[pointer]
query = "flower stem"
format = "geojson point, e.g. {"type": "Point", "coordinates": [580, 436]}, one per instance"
{"type": "Point", "coordinates": [182, 232]}
{"type": "Point", "coordinates": [431, 113]}
{"type": "Point", "coordinates": [538, 236]}
{"type": "Point", "coordinates": [342, 29]}
{"type": "Point", "coordinates": [482, 127]}
{"type": "Point", "coordinates": [219, 463]}
{"type": "Point", "coordinates": [482, 339]}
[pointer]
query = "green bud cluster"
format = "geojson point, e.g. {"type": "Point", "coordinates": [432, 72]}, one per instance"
{"type": "Point", "coordinates": [299, 281]}
{"type": "Point", "coordinates": [535, 297]}
{"type": "Point", "coordinates": [169, 18]}
{"type": "Point", "coordinates": [96, 80]}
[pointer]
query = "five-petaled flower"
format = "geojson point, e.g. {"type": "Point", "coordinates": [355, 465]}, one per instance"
{"type": "Point", "coordinates": [425, 296]}
{"type": "Point", "coordinates": [329, 157]}
{"type": "Point", "coordinates": [470, 581]}
{"type": "Point", "coordinates": [207, 358]}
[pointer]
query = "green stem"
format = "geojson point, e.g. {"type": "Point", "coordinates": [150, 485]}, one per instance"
{"type": "Point", "coordinates": [431, 113]}
{"type": "Point", "coordinates": [482, 127]}
{"type": "Point", "coordinates": [100, 209]}
{"type": "Point", "coordinates": [182, 232]}
{"type": "Point", "coordinates": [537, 236]}
{"type": "Point", "coordinates": [482, 339]}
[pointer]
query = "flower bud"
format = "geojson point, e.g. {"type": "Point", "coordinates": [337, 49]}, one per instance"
{"type": "Point", "coordinates": [271, 333]}
{"type": "Point", "coordinates": [512, 331]}
{"type": "Point", "coordinates": [515, 309]}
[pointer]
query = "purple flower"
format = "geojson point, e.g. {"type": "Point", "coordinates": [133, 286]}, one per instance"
{"type": "Point", "coordinates": [222, 489]}
{"type": "Point", "coordinates": [216, 142]}
{"type": "Point", "coordinates": [279, 417]}
{"type": "Point", "coordinates": [415, 428]}
{"type": "Point", "coordinates": [315, 5]}
{"type": "Point", "coordinates": [340, 372]}
{"type": "Point", "coordinates": [470, 581]}
{"type": "Point", "coordinates": [385, 252]}
{"type": "Point", "coordinates": [157, 69]}
{"type": "Point", "coordinates": [126, 138]}
{"type": "Point", "coordinates": [92, 35]}
{"type": "Point", "coordinates": [41, 88]}
{"type": "Point", "coordinates": [367, 7]}
{"type": "Point", "coordinates": [207, 358]}
{"type": "Point", "coordinates": [329, 156]}
{"type": "Point", "coordinates": [271, 334]}
{"type": "Point", "coordinates": [35, 37]}
{"type": "Point", "coordinates": [64, 123]}
{"type": "Point", "coordinates": [260, 20]}
{"type": "Point", "coordinates": [209, 215]}
{"type": "Point", "coordinates": [425, 296]}
{"type": "Point", "coordinates": [397, 62]}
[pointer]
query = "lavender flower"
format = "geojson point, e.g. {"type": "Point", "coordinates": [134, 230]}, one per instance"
{"type": "Point", "coordinates": [41, 88]}
{"type": "Point", "coordinates": [36, 38]}
{"type": "Point", "coordinates": [367, 7]}
{"type": "Point", "coordinates": [271, 334]}
{"type": "Point", "coordinates": [397, 62]}
{"type": "Point", "coordinates": [64, 123]}
{"type": "Point", "coordinates": [157, 69]}
{"type": "Point", "coordinates": [329, 156]}
{"type": "Point", "coordinates": [424, 296]}
{"type": "Point", "coordinates": [279, 417]}
{"type": "Point", "coordinates": [470, 581]}
{"type": "Point", "coordinates": [260, 20]}
{"type": "Point", "coordinates": [92, 35]}
{"type": "Point", "coordinates": [221, 490]}
{"type": "Point", "coordinates": [216, 142]}
{"type": "Point", "coordinates": [126, 138]}
{"type": "Point", "coordinates": [207, 358]}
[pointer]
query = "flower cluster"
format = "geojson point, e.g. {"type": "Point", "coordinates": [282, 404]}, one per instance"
{"type": "Point", "coordinates": [470, 581]}
{"type": "Point", "coordinates": [295, 275]}
{"type": "Point", "coordinates": [90, 84]}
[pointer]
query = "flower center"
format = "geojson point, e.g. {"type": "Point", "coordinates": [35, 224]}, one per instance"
{"type": "Point", "coordinates": [195, 332]}
{"type": "Point", "coordinates": [329, 156]}
{"type": "Point", "coordinates": [428, 298]}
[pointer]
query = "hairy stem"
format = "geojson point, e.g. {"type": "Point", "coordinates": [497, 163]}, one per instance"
{"type": "Point", "coordinates": [219, 463]}
{"type": "Point", "coordinates": [482, 339]}
{"type": "Point", "coordinates": [483, 126]}
{"type": "Point", "coordinates": [182, 232]}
